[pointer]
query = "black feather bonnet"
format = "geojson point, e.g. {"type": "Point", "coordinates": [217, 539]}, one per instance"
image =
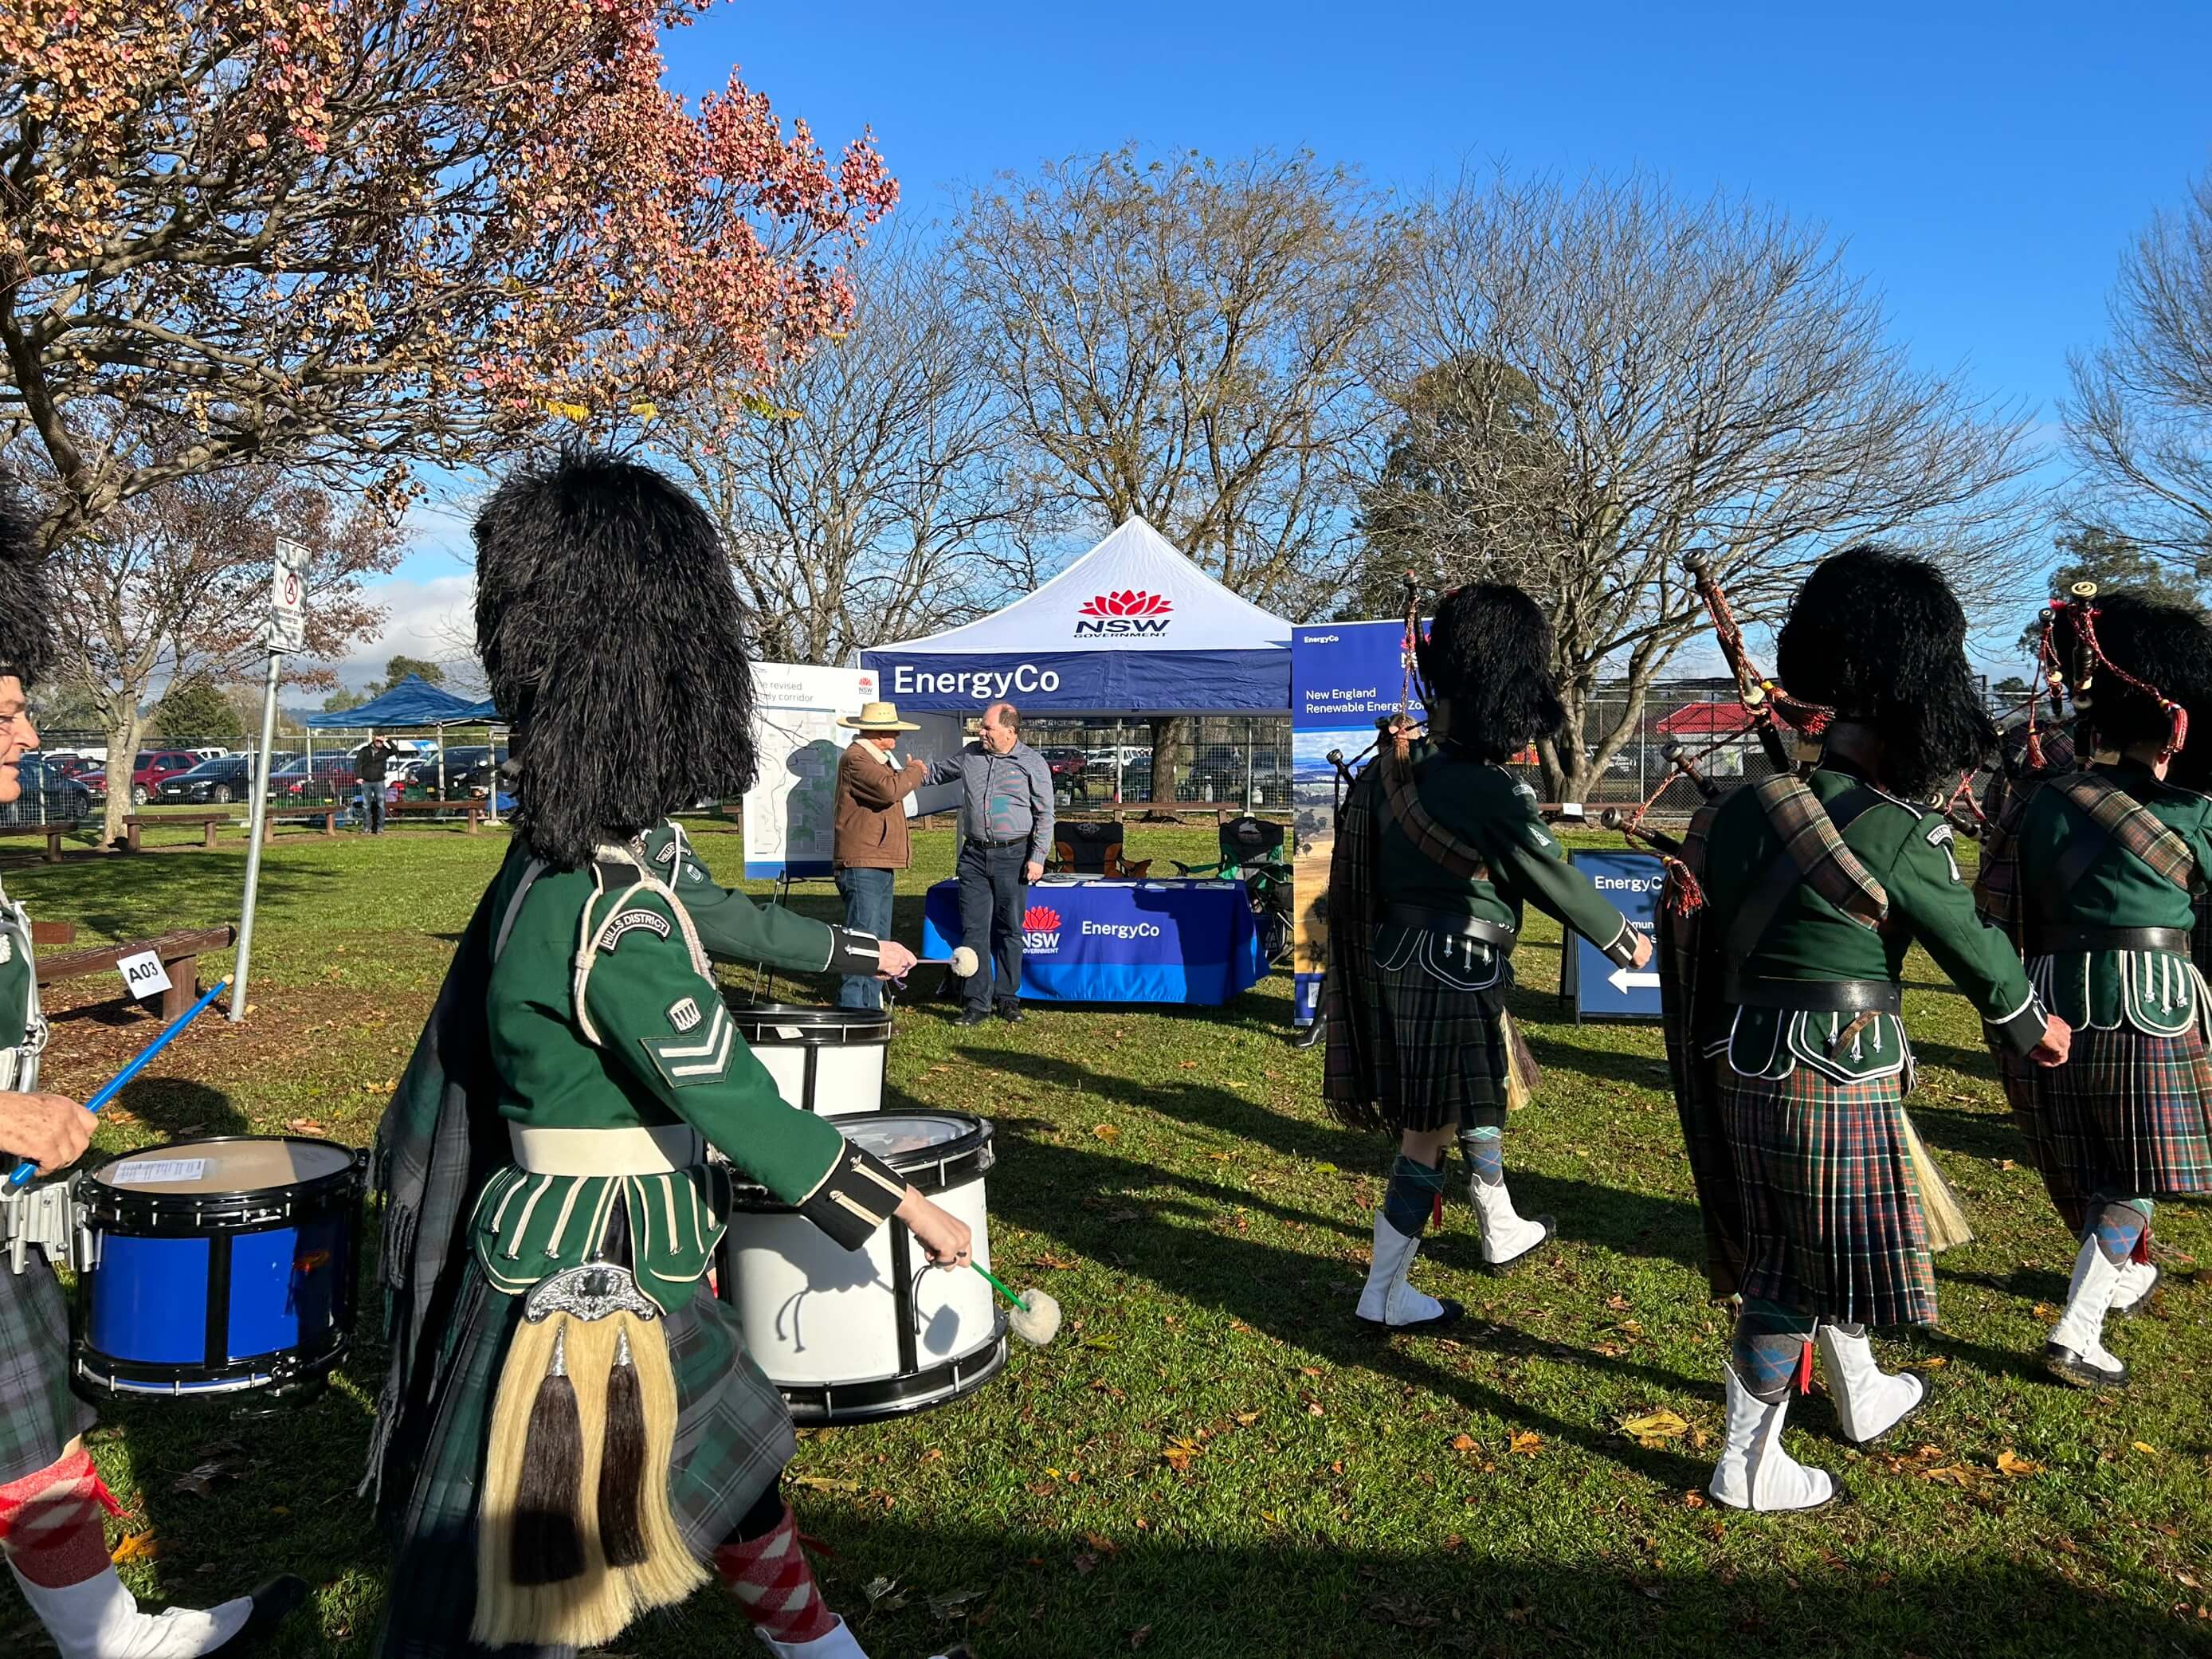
{"type": "Point", "coordinates": [27, 596]}
{"type": "Point", "coordinates": [2167, 647]}
{"type": "Point", "coordinates": [1488, 654]}
{"type": "Point", "coordinates": [612, 636]}
{"type": "Point", "coordinates": [1880, 637]}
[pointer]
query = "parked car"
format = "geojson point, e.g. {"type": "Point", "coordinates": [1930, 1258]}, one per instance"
{"type": "Point", "coordinates": [48, 795]}
{"type": "Point", "coordinates": [327, 782]}
{"type": "Point", "coordinates": [152, 765]}
{"type": "Point", "coordinates": [214, 782]}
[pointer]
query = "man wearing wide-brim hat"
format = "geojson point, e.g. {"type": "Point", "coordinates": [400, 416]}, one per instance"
{"type": "Point", "coordinates": [872, 830]}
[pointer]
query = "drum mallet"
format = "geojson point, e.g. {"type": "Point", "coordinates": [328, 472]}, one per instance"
{"type": "Point", "coordinates": [963, 962]}
{"type": "Point", "coordinates": [114, 1086]}
{"type": "Point", "coordinates": [1036, 1317]}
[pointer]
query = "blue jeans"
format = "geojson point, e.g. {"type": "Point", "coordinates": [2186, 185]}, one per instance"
{"type": "Point", "coordinates": [867, 910]}
{"type": "Point", "coordinates": [992, 895]}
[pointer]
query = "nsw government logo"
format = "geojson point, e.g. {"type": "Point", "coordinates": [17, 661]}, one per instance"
{"type": "Point", "coordinates": [1041, 930]}
{"type": "Point", "coordinates": [1132, 610]}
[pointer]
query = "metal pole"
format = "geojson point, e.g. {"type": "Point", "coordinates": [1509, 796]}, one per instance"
{"type": "Point", "coordinates": [441, 766]}
{"type": "Point", "coordinates": [255, 818]}
{"type": "Point", "coordinates": [1249, 803]}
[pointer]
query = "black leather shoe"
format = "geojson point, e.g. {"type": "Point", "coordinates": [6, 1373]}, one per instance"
{"type": "Point", "coordinates": [2079, 1370]}
{"type": "Point", "coordinates": [1012, 1012]}
{"type": "Point", "coordinates": [1448, 1312]}
{"type": "Point", "coordinates": [273, 1603]}
{"type": "Point", "coordinates": [971, 1017]}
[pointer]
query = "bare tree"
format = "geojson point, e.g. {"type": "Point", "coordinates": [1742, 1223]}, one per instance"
{"type": "Point", "coordinates": [1626, 377]}
{"type": "Point", "coordinates": [2140, 421]}
{"type": "Point", "coordinates": [1183, 339]}
{"type": "Point", "coordinates": [873, 499]}
{"type": "Point", "coordinates": [174, 583]}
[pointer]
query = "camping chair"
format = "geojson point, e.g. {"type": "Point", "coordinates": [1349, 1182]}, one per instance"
{"type": "Point", "coordinates": [1252, 851]}
{"type": "Point", "coordinates": [1093, 850]}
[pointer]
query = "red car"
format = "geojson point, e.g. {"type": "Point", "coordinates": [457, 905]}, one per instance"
{"type": "Point", "coordinates": [150, 766]}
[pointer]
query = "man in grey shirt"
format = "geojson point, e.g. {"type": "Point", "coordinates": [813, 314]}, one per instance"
{"type": "Point", "coordinates": [1005, 829]}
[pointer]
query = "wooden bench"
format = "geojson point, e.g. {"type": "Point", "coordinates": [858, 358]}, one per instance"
{"type": "Point", "coordinates": [207, 820]}
{"type": "Point", "coordinates": [180, 954]}
{"type": "Point", "coordinates": [472, 810]}
{"type": "Point", "coordinates": [325, 815]}
{"type": "Point", "coordinates": [52, 832]}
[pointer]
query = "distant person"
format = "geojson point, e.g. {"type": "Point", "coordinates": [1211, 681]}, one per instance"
{"type": "Point", "coordinates": [372, 762]}
{"type": "Point", "coordinates": [1006, 825]}
{"type": "Point", "coordinates": [872, 840]}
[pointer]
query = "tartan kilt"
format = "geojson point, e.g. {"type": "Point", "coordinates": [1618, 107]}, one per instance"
{"type": "Point", "coordinates": [1451, 1057]}
{"type": "Point", "coordinates": [2128, 1115]}
{"type": "Point", "coordinates": [39, 1415]}
{"type": "Point", "coordinates": [1832, 1218]}
{"type": "Point", "coordinates": [733, 1438]}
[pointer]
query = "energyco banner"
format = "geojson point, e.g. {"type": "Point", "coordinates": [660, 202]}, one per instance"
{"type": "Point", "coordinates": [1344, 678]}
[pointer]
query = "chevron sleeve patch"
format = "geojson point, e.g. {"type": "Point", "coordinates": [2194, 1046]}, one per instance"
{"type": "Point", "coordinates": [699, 1055]}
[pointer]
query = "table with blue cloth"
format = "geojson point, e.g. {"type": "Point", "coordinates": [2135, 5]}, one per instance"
{"type": "Point", "coordinates": [1094, 940]}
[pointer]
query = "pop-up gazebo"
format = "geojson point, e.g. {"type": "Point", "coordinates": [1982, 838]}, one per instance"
{"type": "Point", "coordinates": [414, 704]}
{"type": "Point", "coordinates": [1132, 628]}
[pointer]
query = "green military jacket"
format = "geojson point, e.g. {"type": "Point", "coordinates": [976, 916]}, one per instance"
{"type": "Point", "coordinates": [19, 981]}
{"type": "Point", "coordinates": [1494, 813]}
{"type": "Point", "coordinates": [601, 1015]}
{"type": "Point", "coordinates": [2154, 992]}
{"type": "Point", "coordinates": [735, 929]}
{"type": "Point", "coordinates": [1908, 850]}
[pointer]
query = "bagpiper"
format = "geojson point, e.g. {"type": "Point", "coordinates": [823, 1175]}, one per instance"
{"type": "Point", "coordinates": [1438, 850]}
{"type": "Point", "coordinates": [52, 1503]}
{"type": "Point", "coordinates": [1784, 992]}
{"type": "Point", "coordinates": [571, 1432]}
{"type": "Point", "coordinates": [2093, 874]}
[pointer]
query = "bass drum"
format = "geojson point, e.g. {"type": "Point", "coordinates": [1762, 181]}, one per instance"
{"type": "Point", "coordinates": [823, 1060]}
{"type": "Point", "coordinates": [851, 1336]}
{"type": "Point", "coordinates": [218, 1266]}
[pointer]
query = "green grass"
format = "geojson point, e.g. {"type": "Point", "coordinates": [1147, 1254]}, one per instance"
{"type": "Point", "coordinates": [1212, 1461]}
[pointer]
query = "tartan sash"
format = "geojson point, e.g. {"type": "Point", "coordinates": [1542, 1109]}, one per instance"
{"type": "Point", "coordinates": [1816, 847]}
{"type": "Point", "coordinates": [1688, 955]}
{"type": "Point", "coordinates": [1998, 897]}
{"type": "Point", "coordinates": [2133, 825]}
{"type": "Point", "coordinates": [1401, 798]}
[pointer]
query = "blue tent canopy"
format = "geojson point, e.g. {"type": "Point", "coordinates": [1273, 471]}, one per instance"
{"type": "Point", "coordinates": [413, 702]}
{"type": "Point", "coordinates": [1131, 628]}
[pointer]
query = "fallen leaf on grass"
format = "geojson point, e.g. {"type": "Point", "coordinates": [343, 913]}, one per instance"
{"type": "Point", "coordinates": [1106, 1131]}
{"type": "Point", "coordinates": [138, 1547]}
{"type": "Point", "coordinates": [1964, 1476]}
{"type": "Point", "coordinates": [1086, 1563]}
{"type": "Point", "coordinates": [1527, 1442]}
{"type": "Point", "coordinates": [1245, 1419]}
{"type": "Point", "coordinates": [1464, 1442]}
{"type": "Point", "coordinates": [303, 1125]}
{"type": "Point", "coordinates": [884, 1595]}
{"type": "Point", "coordinates": [823, 1483]}
{"type": "Point", "coordinates": [949, 1605]}
{"type": "Point", "coordinates": [1139, 1637]}
{"type": "Point", "coordinates": [1063, 1263]}
{"type": "Point", "coordinates": [1178, 1452]}
{"type": "Point", "coordinates": [1655, 1429]}
{"type": "Point", "coordinates": [2147, 1449]}
{"type": "Point", "coordinates": [200, 1482]}
{"type": "Point", "coordinates": [2046, 1312]}
{"type": "Point", "coordinates": [2010, 1462]}
{"type": "Point", "coordinates": [1933, 1362]}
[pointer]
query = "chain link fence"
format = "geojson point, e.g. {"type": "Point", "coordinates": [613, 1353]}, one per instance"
{"type": "Point", "coordinates": [65, 780]}
{"type": "Point", "coordinates": [1228, 760]}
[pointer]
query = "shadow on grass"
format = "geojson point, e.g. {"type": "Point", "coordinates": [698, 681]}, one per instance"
{"type": "Point", "coordinates": [122, 898]}
{"type": "Point", "coordinates": [1035, 1593]}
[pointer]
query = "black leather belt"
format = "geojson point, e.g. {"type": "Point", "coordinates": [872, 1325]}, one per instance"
{"type": "Point", "coordinates": [1422, 920]}
{"type": "Point", "coordinates": [994, 846]}
{"type": "Point", "coordinates": [1816, 996]}
{"type": "Point", "coordinates": [2054, 941]}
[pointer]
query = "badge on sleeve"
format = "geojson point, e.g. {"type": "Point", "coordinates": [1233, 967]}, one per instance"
{"type": "Point", "coordinates": [685, 1014]}
{"type": "Point", "coordinates": [630, 921]}
{"type": "Point", "coordinates": [1941, 837]}
{"type": "Point", "coordinates": [698, 1056]}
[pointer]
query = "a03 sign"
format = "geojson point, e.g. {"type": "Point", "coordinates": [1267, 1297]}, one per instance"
{"type": "Point", "coordinates": [287, 598]}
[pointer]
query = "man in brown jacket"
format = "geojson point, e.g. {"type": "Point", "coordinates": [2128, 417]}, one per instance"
{"type": "Point", "coordinates": [871, 831]}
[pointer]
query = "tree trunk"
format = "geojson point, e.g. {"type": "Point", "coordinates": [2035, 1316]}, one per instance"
{"type": "Point", "coordinates": [123, 736]}
{"type": "Point", "coordinates": [1167, 758]}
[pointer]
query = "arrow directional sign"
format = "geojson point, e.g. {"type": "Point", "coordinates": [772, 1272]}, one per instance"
{"type": "Point", "coordinates": [1630, 882]}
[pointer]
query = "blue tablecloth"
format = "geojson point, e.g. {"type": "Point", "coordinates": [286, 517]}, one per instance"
{"type": "Point", "coordinates": [1122, 941]}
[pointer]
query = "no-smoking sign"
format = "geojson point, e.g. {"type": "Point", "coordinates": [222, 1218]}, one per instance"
{"type": "Point", "coordinates": [288, 598]}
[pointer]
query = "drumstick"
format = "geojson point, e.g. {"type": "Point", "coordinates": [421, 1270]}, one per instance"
{"type": "Point", "coordinates": [110, 1089]}
{"type": "Point", "coordinates": [963, 962]}
{"type": "Point", "coordinates": [1036, 1317]}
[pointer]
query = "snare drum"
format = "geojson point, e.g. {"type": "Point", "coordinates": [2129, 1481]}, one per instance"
{"type": "Point", "coordinates": [823, 1060]}
{"type": "Point", "coordinates": [218, 1266]}
{"type": "Point", "coordinates": [849, 1336]}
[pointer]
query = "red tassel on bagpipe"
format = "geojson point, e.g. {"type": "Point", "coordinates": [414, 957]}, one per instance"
{"type": "Point", "coordinates": [1684, 896]}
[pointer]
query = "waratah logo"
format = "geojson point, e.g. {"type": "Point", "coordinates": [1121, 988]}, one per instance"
{"type": "Point", "coordinates": [1041, 929]}
{"type": "Point", "coordinates": [1132, 610]}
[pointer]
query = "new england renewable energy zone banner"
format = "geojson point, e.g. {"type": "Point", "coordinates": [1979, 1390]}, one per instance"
{"type": "Point", "coordinates": [1344, 678]}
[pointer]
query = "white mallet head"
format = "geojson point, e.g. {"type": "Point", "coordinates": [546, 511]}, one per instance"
{"type": "Point", "coordinates": [1037, 1321]}
{"type": "Point", "coordinates": [965, 962]}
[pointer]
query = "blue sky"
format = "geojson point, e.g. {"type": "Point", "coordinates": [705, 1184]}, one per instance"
{"type": "Point", "coordinates": [1986, 165]}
